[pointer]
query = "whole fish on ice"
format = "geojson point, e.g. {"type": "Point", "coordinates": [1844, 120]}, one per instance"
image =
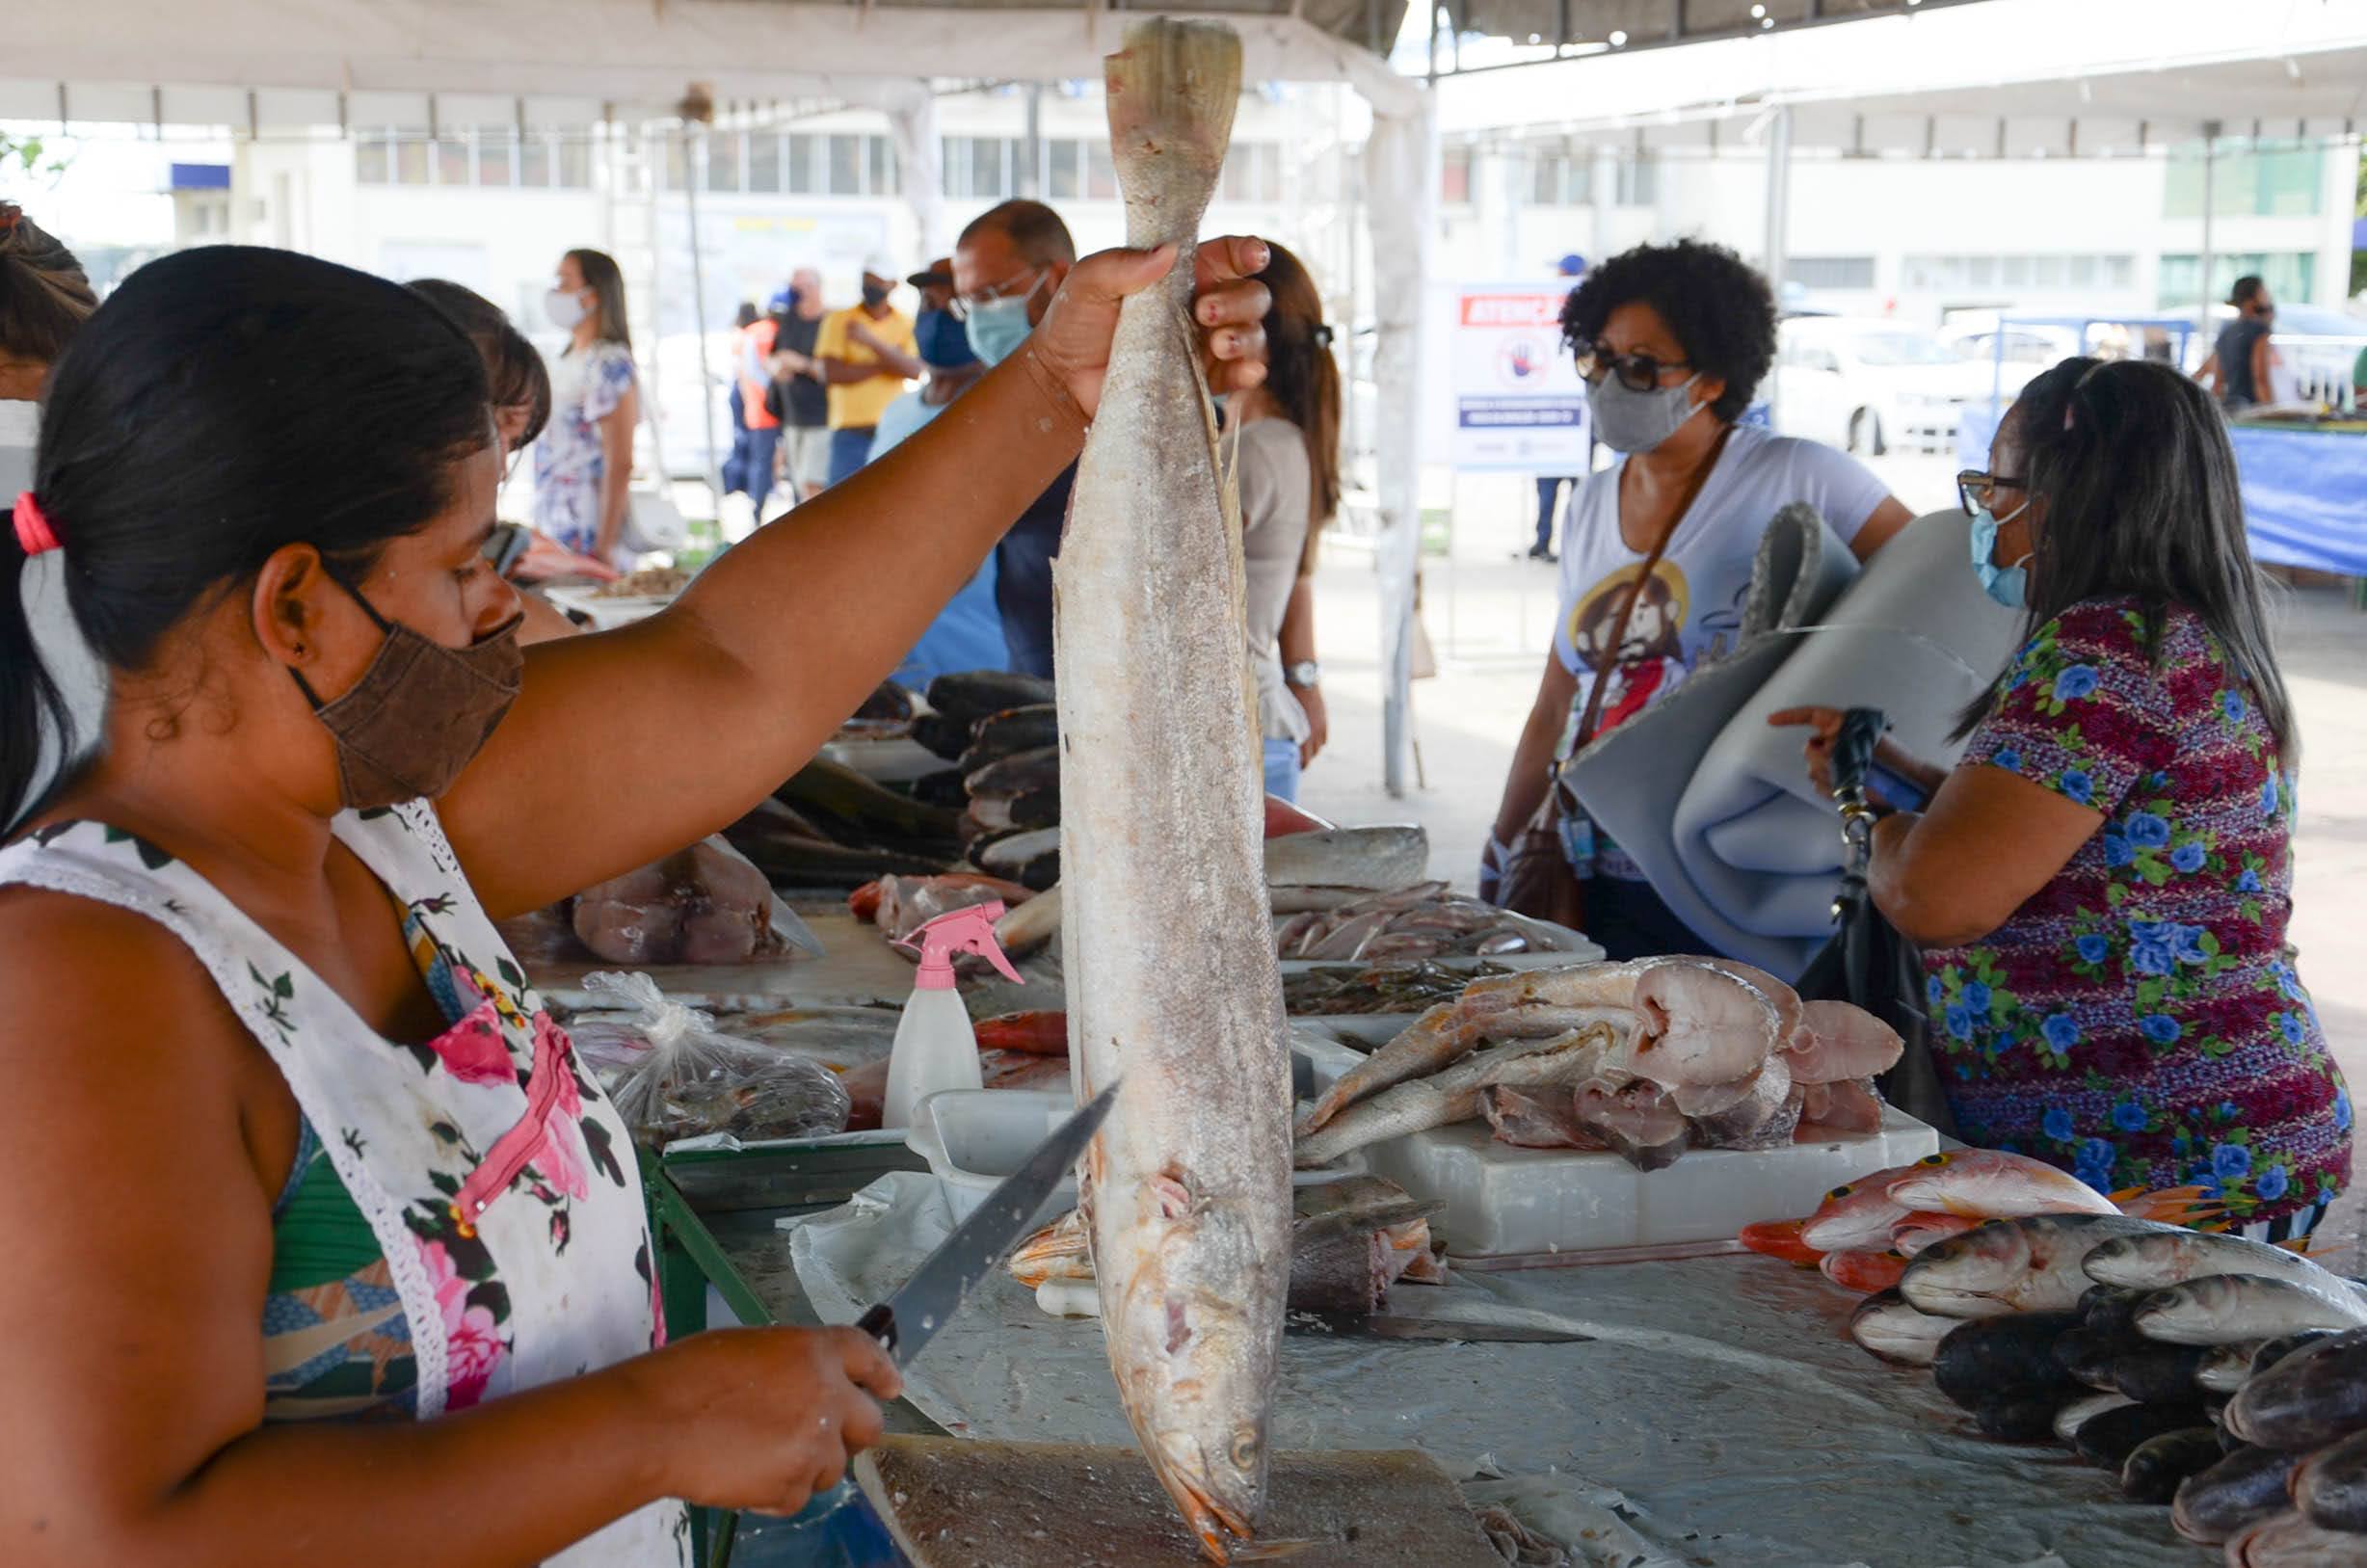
{"type": "Point", "coordinates": [2028, 1264]}
{"type": "Point", "coordinates": [1186, 1188]}
{"type": "Point", "coordinates": [2228, 1309]}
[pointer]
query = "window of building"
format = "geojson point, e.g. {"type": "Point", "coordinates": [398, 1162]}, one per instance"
{"type": "Point", "coordinates": [764, 161]}
{"type": "Point", "coordinates": [534, 162]}
{"type": "Point", "coordinates": [723, 160]}
{"type": "Point", "coordinates": [2289, 275]}
{"type": "Point", "coordinates": [374, 160]}
{"type": "Point", "coordinates": [1561, 178]}
{"type": "Point", "coordinates": [1829, 272]}
{"type": "Point", "coordinates": [799, 177]}
{"type": "Point", "coordinates": [846, 166]}
{"type": "Point", "coordinates": [1640, 180]}
{"type": "Point", "coordinates": [452, 160]}
{"type": "Point", "coordinates": [496, 155]}
{"type": "Point", "coordinates": [2247, 182]}
{"type": "Point", "coordinates": [574, 163]}
{"type": "Point", "coordinates": [1101, 174]}
{"type": "Point", "coordinates": [1064, 171]}
{"type": "Point", "coordinates": [410, 164]}
{"type": "Point", "coordinates": [1455, 177]}
{"type": "Point", "coordinates": [883, 158]}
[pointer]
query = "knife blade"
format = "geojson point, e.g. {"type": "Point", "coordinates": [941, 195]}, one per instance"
{"type": "Point", "coordinates": [1352, 1325]}
{"type": "Point", "coordinates": [911, 1318]}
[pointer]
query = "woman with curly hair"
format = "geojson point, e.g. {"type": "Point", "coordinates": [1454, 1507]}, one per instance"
{"type": "Point", "coordinates": [2103, 884]}
{"type": "Point", "coordinates": [1673, 341]}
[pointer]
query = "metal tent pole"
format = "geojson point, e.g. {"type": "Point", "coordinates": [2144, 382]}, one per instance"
{"type": "Point", "coordinates": [1778, 222]}
{"type": "Point", "coordinates": [709, 471]}
{"type": "Point", "coordinates": [2210, 169]}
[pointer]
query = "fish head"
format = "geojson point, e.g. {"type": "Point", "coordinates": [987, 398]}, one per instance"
{"type": "Point", "coordinates": [1198, 1362]}
{"type": "Point", "coordinates": [1964, 1276]}
{"type": "Point", "coordinates": [1856, 1214]}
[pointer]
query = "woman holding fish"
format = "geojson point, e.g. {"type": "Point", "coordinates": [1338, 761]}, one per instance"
{"type": "Point", "coordinates": [2102, 884]}
{"type": "Point", "coordinates": [288, 1137]}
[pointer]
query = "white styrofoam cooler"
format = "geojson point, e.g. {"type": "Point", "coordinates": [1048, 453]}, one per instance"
{"type": "Point", "coordinates": [1503, 1200]}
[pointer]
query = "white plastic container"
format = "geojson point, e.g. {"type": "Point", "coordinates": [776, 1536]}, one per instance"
{"type": "Point", "coordinates": [1504, 1202]}
{"type": "Point", "coordinates": [936, 1049]}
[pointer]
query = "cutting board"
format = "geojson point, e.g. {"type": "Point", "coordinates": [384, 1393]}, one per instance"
{"type": "Point", "coordinates": [957, 1503]}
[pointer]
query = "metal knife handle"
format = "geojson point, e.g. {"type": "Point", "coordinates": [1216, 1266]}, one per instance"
{"type": "Point", "coordinates": [880, 1323]}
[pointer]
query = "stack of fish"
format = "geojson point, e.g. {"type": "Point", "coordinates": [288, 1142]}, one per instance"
{"type": "Point", "coordinates": [1389, 988]}
{"type": "Point", "coordinates": [1645, 1058]}
{"type": "Point", "coordinates": [1350, 1241]}
{"type": "Point", "coordinates": [2227, 1375]}
{"type": "Point", "coordinates": [831, 827]}
{"type": "Point", "coordinates": [1408, 925]}
{"type": "Point", "coordinates": [1864, 1233]}
{"type": "Point", "coordinates": [1001, 732]}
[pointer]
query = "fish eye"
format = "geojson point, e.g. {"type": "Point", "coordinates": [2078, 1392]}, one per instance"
{"type": "Point", "coordinates": [1934, 1159]}
{"type": "Point", "coordinates": [1244, 1450]}
{"type": "Point", "coordinates": [1841, 1193]}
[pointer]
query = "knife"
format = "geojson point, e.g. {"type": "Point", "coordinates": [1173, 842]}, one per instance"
{"type": "Point", "coordinates": [911, 1318]}
{"type": "Point", "coordinates": [1354, 1325]}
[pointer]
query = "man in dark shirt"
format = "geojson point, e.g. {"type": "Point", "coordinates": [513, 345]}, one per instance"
{"type": "Point", "coordinates": [1006, 268]}
{"type": "Point", "coordinates": [2238, 369]}
{"type": "Point", "coordinates": [804, 404]}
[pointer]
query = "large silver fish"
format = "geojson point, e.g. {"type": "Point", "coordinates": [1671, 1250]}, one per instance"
{"type": "Point", "coordinates": [1167, 946]}
{"type": "Point", "coordinates": [2029, 1265]}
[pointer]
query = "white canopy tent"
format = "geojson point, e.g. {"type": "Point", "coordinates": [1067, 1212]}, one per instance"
{"type": "Point", "coordinates": [253, 64]}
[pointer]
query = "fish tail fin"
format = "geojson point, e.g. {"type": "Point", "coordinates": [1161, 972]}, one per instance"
{"type": "Point", "coordinates": [2190, 1207]}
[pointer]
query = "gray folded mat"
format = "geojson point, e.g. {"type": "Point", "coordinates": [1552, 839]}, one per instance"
{"type": "Point", "coordinates": [1715, 804]}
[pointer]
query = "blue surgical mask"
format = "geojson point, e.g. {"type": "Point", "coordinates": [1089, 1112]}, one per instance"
{"type": "Point", "coordinates": [2008, 585]}
{"type": "Point", "coordinates": [944, 342]}
{"type": "Point", "coordinates": [998, 327]}
{"type": "Point", "coordinates": [1627, 420]}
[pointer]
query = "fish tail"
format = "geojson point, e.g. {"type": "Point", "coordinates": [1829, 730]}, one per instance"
{"type": "Point", "coordinates": [2169, 1205]}
{"type": "Point", "coordinates": [1780, 1239]}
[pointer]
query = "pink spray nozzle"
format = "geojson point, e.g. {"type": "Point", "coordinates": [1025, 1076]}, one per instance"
{"type": "Point", "coordinates": [966, 930]}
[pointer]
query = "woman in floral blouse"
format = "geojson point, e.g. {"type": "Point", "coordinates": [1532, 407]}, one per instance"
{"type": "Point", "coordinates": [2101, 885]}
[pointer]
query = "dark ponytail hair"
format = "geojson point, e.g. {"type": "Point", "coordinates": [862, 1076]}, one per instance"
{"type": "Point", "coordinates": [225, 403]}
{"type": "Point", "coordinates": [606, 280]}
{"type": "Point", "coordinates": [44, 294]}
{"type": "Point", "coordinates": [515, 372]}
{"type": "Point", "coordinates": [1304, 378]}
{"type": "Point", "coordinates": [2143, 500]}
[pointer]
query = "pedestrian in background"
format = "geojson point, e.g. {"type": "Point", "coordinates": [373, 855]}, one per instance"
{"type": "Point", "coordinates": [1550, 486]}
{"type": "Point", "coordinates": [757, 440]}
{"type": "Point", "coordinates": [583, 466]}
{"type": "Point", "coordinates": [796, 395]}
{"type": "Point", "coordinates": [867, 353]}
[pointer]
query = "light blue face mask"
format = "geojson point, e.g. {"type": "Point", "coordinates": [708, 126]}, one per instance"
{"type": "Point", "coordinates": [2008, 585]}
{"type": "Point", "coordinates": [998, 327]}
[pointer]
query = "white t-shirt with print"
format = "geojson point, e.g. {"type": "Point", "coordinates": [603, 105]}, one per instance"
{"type": "Point", "coordinates": [1693, 609]}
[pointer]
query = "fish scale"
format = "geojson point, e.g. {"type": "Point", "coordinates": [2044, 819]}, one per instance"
{"type": "Point", "coordinates": [1168, 952]}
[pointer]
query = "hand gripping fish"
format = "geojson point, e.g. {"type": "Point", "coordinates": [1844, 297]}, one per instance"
{"type": "Point", "coordinates": [1187, 1189]}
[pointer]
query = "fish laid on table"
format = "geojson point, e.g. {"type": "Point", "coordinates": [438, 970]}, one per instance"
{"type": "Point", "coordinates": [2027, 1265]}
{"type": "Point", "coordinates": [1455, 1093]}
{"type": "Point", "coordinates": [1391, 987]}
{"type": "Point", "coordinates": [2290, 1540]}
{"type": "Point", "coordinates": [2080, 1412]}
{"type": "Point", "coordinates": [2330, 1486]}
{"type": "Point", "coordinates": [1865, 1273]}
{"type": "Point", "coordinates": [2158, 1466]}
{"type": "Point", "coordinates": [1420, 921]}
{"type": "Point", "coordinates": [1010, 733]}
{"type": "Point", "coordinates": [971, 695]}
{"type": "Point", "coordinates": [1988, 1355]}
{"type": "Point", "coordinates": [2314, 1396]}
{"type": "Point", "coordinates": [1888, 1325]}
{"type": "Point", "coordinates": [2249, 1485]}
{"type": "Point", "coordinates": [1030, 857]}
{"type": "Point", "coordinates": [1186, 1188]}
{"type": "Point", "coordinates": [2177, 1256]}
{"type": "Point", "coordinates": [2229, 1309]}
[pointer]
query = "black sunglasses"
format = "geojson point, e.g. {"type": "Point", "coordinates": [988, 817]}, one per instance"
{"type": "Point", "coordinates": [1974, 488]}
{"type": "Point", "coordinates": [1636, 372]}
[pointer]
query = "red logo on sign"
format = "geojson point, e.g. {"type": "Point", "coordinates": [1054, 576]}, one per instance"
{"type": "Point", "coordinates": [1511, 310]}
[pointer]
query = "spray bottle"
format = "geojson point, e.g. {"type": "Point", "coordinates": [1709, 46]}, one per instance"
{"type": "Point", "coordinates": [936, 1049]}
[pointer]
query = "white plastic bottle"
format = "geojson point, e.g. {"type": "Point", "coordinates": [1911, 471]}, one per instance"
{"type": "Point", "coordinates": [936, 1049]}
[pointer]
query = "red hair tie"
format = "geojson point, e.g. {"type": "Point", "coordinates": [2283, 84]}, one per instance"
{"type": "Point", "coordinates": [33, 530]}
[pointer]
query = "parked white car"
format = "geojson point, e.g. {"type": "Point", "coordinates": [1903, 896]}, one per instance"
{"type": "Point", "coordinates": [1873, 385]}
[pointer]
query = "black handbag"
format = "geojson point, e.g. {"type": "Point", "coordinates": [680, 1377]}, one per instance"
{"type": "Point", "coordinates": [1868, 963]}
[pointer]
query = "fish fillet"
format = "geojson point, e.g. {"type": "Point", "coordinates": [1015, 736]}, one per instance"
{"type": "Point", "coordinates": [1167, 948]}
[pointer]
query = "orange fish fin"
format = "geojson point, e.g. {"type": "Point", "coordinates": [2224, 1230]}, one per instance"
{"type": "Point", "coordinates": [2171, 1206]}
{"type": "Point", "coordinates": [1779, 1238]}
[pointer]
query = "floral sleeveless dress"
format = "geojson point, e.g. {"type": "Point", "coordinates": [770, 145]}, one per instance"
{"type": "Point", "coordinates": [512, 1249]}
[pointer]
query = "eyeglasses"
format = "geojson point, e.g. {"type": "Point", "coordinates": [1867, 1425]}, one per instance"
{"type": "Point", "coordinates": [1636, 372]}
{"type": "Point", "coordinates": [963, 305]}
{"type": "Point", "coordinates": [1977, 488]}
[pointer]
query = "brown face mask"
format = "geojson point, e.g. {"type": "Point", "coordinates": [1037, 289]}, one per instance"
{"type": "Point", "coordinates": [418, 713]}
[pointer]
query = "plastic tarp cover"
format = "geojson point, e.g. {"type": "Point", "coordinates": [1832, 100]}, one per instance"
{"type": "Point", "coordinates": [1719, 1417]}
{"type": "Point", "coordinates": [2305, 490]}
{"type": "Point", "coordinates": [1715, 805]}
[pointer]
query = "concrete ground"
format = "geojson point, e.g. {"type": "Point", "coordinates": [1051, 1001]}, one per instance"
{"type": "Point", "coordinates": [1489, 616]}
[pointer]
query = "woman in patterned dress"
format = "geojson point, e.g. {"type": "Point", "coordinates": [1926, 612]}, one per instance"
{"type": "Point", "coordinates": [583, 466]}
{"type": "Point", "coordinates": [322, 1246]}
{"type": "Point", "coordinates": [2103, 883]}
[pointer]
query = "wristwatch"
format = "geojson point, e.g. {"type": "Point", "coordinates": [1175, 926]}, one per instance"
{"type": "Point", "coordinates": [1305, 673]}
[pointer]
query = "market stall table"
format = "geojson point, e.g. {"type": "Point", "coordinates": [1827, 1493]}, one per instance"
{"type": "Point", "coordinates": [1719, 1417]}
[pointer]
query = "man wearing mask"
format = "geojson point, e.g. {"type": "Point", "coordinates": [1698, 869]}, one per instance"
{"type": "Point", "coordinates": [968, 632]}
{"type": "Point", "coordinates": [1006, 268]}
{"type": "Point", "coordinates": [796, 395]}
{"type": "Point", "coordinates": [2241, 368]}
{"type": "Point", "coordinates": [867, 351]}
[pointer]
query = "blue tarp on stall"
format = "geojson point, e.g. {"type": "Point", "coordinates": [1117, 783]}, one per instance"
{"type": "Point", "coordinates": [2305, 490]}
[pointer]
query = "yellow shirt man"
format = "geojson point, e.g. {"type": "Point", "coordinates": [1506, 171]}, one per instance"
{"type": "Point", "coordinates": [858, 405]}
